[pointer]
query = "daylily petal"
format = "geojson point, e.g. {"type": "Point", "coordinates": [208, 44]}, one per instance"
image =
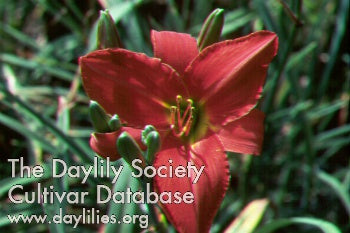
{"type": "Point", "coordinates": [244, 135]}
{"type": "Point", "coordinates": [208, 192]}
{"type": "Point", "coordinates": [131, 85]}
{"type": "Point", "coordinates": [229, 76]}
{"type": "Point", "coordinates": [175, 49]}
{"type": "Point", "coordinates": [104, 144]}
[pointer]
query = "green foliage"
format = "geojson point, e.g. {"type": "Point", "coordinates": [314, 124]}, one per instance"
{"type": "Point", "coordinates": [304, 170]}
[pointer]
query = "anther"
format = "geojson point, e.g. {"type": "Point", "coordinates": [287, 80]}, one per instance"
{"type": "Point", "coordinates": [178, 99]}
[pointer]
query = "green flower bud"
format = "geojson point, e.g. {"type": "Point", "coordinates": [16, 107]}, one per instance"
{"type": "Point", "coordinates": [129, 149]}
{"type": "Point", "coordinates": [153, 146]}
{"type": "Point", "coordinates": [145, 132]}
{"type": "Point", "coordinates": [211, 29]}
{"type": "Point", "coordinates": [107, 34]}
{"type": "Point", "coordinates": [98, 117]}
{"type": "Point", "coordinates": [114, 123]}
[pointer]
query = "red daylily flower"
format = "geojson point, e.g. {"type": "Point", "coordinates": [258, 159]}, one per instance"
{"type": "Point", "coordinates": [202, 103]}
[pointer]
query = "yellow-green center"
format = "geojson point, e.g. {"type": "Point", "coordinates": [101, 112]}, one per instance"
{"type": "Point", "coordinates": [187, 119]}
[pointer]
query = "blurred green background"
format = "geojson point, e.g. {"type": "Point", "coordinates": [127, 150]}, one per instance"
{"type": "Point", "coordinates": [304, 168]}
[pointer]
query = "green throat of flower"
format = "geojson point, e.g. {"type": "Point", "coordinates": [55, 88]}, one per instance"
{"type": "Point", "coordinates": [187, 119]}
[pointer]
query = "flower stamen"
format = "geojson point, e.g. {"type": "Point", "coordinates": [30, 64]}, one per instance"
{"type": "Point", "coordinates": [181, 121]}
{"type": "Point", "coordinates": [172, 116]}
{"type": "Point", "coordinates": [178, 107]}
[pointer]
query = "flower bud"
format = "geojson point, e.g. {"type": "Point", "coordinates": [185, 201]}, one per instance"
{"type": "Point", "coordinates": [114, 123]}
{"type": "Point", "coordinates": [211, 29]}
{"type": "Point", "coordinates": [153, 146]}
{"type": "Point", "coordinates": [129, 149]}
{"type": "Point", "coordinates": [98, 117]}
{"type": "Point", "coordinates": [107, 34]}
{"type": "Point", "coordinates": [145, 132]}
